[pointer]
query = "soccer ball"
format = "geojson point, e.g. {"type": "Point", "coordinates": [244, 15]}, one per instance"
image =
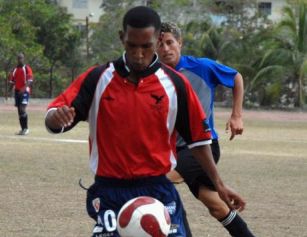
{"type": "Point", "coordinates": [143, 217]}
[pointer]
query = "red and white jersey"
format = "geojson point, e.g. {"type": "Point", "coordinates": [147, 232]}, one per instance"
{"type": "Point", "coordinates": [133, 127]}
{"type": "Point", "coordinates": [20, 75]}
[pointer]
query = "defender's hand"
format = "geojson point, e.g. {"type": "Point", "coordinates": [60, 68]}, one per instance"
{"type": "Point", "coordinates": [61, 117]}
{"type": "Point", "coordinates": [235, 125]}
{"type": "Point", "coordinates": [233, 200]}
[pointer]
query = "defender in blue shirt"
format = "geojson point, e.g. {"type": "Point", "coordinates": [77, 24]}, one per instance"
{"type": "Point", "coordinates": [205, 75]}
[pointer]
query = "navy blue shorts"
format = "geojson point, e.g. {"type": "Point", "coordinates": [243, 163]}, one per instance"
{"type": "Point", "coordinates": [21, 98]}
{"type": "Point", "coordinates": [106, 196]}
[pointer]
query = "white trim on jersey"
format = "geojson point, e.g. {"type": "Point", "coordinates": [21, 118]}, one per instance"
{"type": "Point", "coordinates": [103, 82]}
{"type": "Point", "coordinates": [170, 90]}
{"type": "Point", "coordinates": [200, 143]}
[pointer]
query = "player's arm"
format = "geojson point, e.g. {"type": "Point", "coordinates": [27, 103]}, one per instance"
{"type": "Point", "coordinates": [29, 79]}
{"type": "Point", "coordinates": [73, 105]}
{"type": "Point", "coordinates": [220, 74]}
{"type": "Point", "coordinates": [204, 156]}
{"type": "Point", "coordinates": [235, 122]}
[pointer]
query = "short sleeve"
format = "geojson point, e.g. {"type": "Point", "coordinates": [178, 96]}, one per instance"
{"type": "Point", "coordinates": [29, 73]}
{"type": "Point", "coordinates": [79, 94]}
{"type": "Point", "coordinates": [221, 74]}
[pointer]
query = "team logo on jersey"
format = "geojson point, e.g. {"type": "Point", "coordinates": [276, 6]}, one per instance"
{"type": "Point", "coordinates": [206, 126]}
{"type": "Point", "coordinates": [157, 98]}
{"type": "Point", "coordinates": [96, 204]}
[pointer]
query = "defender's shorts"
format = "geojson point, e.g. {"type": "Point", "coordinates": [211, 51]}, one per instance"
{"type": "Point", "coordinates": [191, 171]}
{"type": "Point", "coordinates": [21, 98]}
{"type": "Point", "coordinates": [106, 196]}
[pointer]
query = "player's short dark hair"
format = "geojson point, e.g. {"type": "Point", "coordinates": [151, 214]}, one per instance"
{"type": "Point", "coordinates": [20, 54]}
{"type": "Point", "coordinates": [170, 27]}
{"type": "Point", "coordinates": [142, 17]}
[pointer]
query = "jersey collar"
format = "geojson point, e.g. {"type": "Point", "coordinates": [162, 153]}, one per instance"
{"type": "Point", "coordinates": [123, 69]}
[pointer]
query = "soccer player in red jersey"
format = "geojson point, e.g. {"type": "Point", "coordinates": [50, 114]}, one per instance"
{"type": "Point", "coordinates": [21, 79]}
{"type": "Point", "coordinates": [135, 106]}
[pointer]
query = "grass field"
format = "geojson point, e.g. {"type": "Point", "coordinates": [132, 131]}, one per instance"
{"type": "Point", "coordinates": [40, 196]}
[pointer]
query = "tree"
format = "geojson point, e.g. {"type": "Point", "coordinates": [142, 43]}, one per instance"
{"type": "Point", "coordinates": [58, 36]}
{"type": "Point", "coordinates": [17, 35]}
{"type": "Point", "coordinates": [291, 35]}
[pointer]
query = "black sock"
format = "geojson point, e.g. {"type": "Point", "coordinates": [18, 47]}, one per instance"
{"type": "Point", "coordinates": [236, 226]}
{"type": "Point", "coordinates": [23, 120]}
{"type": "Point", "coordinates": [186, 224]}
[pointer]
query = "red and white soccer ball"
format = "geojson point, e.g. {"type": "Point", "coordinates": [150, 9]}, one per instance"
{"type": "Point", "coordinates": [143, 217]}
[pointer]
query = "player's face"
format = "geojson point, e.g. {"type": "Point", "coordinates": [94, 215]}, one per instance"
{"type": "Point", "coordinates": [20, 59]}
{"type": "Point", "coordinates": [169, 49]}
{"type": "Point", "coordinates": [140, 45]}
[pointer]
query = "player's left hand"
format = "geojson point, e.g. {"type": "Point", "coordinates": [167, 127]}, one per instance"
{"type": "Point", "coordinates": [233, 200]}
{"type": "Point", "coordinates": [235, 125]}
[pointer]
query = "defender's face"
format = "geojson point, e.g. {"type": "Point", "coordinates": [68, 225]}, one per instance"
{"type": "Point", "coordinates": [140, 45]}
{"type": "Point", "coordinates": [169, 49]}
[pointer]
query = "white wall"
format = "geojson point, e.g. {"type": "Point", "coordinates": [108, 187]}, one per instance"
{"type": "Point", "coordinates": [82, 8]}
{"type": "Point", "coordinates": [277, 6]}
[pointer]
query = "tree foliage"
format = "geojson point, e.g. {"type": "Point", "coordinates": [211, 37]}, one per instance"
{"type": "Point", "coordinates": [271, 57]}
{"type": "Point", "coordinates": [43, 31]}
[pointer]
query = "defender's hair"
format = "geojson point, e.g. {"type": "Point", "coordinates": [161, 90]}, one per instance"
{"type": "Point", "coordinates": [170, 27]}
{"type": "Point", "coordinates": [142, 17]}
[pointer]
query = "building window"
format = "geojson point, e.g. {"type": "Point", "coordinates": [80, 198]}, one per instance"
{"type": "Point", "coordinates": [79, 3]}
{"type": "Point", "coordinates": [265, 8]}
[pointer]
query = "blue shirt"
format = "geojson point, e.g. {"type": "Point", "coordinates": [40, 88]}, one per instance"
{"type": "Point", "coordinates": [205, 75]}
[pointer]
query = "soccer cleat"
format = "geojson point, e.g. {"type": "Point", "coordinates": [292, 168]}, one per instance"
{"type": "Point", "coordinates": [23, 132]}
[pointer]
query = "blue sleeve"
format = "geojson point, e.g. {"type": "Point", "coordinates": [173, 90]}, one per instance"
{"type": "Point", "coordinates": [218, 74]}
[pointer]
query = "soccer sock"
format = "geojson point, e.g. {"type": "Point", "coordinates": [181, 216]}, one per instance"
{"type": "Point", "coordinates": [236, 226]}
{"type": "Point", "coordinates": [23, 120]}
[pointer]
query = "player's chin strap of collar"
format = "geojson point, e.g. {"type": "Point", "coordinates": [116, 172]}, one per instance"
{"type": "Point", "coordinates": [81, 185]}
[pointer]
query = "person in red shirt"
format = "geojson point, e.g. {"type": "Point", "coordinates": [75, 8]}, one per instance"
{"type": "Point", "coordinates": [135, 106]}
{"type": "Point", "coordinates": [21, 79]}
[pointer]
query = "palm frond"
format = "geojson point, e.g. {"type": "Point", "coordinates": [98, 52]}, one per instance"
{"type": "Point", "coordinates": [262, 74]}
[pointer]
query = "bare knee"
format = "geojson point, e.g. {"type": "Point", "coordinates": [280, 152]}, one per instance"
{"type": "Point", "coordinates": [218, 211]}
{"type": "Point", "coordinates": [216, 206]}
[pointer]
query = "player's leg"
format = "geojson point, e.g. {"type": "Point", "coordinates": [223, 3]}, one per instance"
{"type": "Point", "coordinates": [235, 225]}
{"type": "Point", "coordinates": [22, 113]}
{"type": "Point", "coordinates": [23, 119]}
{"type": "Point", "coordinates": [216, 207]}
{"type": "Point", "coordinates": [203, 189]}
{"type": "Point", "coordinates": [103, 209]}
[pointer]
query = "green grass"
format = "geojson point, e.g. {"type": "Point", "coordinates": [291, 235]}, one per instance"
{"type": "Point", "coordinates": [40, 196]}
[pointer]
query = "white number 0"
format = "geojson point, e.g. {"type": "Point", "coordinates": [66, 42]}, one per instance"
{"type": "Point", "coordinates": [110, 220]}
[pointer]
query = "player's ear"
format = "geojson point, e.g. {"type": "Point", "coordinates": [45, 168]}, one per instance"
{"type": "Point", "coordinates": [180, 42]}
{"type": "Point", "coordinates": [121, 35]}
{"type": "Point", "coordinates": [160, 37]}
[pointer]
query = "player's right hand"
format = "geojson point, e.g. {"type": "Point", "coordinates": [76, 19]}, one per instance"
{"type": "Point", "coordinates": [61, 117]}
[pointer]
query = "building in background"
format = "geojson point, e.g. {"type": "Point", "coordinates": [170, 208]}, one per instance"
{"type": "Point", "coordinates": [271, 9]}
{"type": "Point", "coordinates": [82, 10]}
